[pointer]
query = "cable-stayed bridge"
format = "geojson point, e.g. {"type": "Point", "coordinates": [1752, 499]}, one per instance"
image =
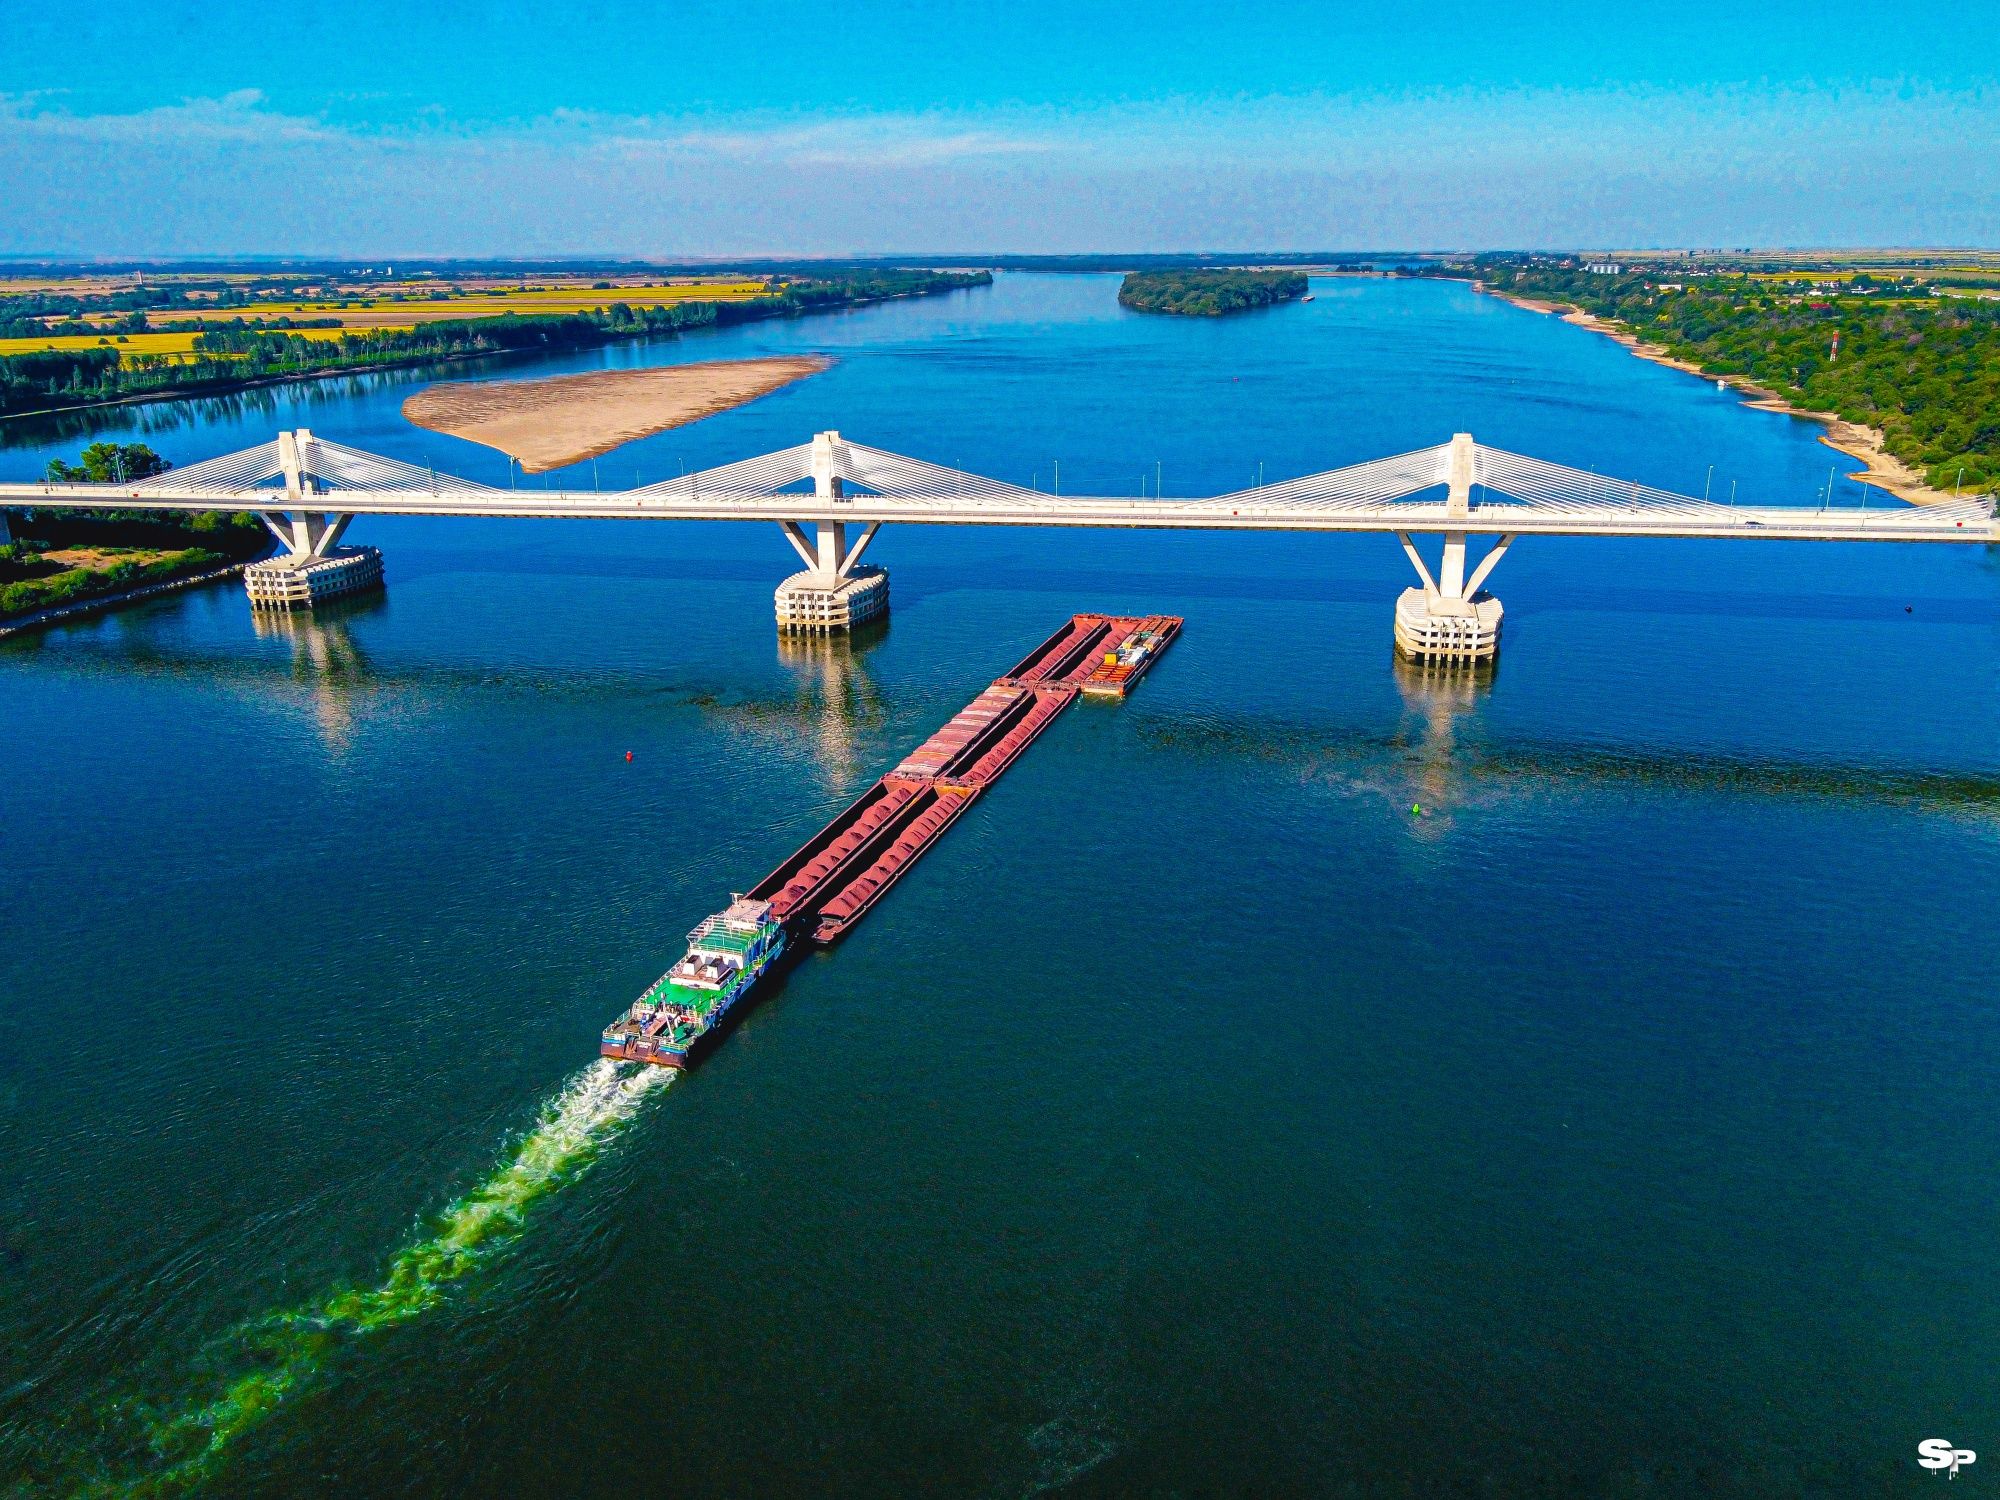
{"type": "Point", "coordinates": [1506, 493]}
{"type": "Point", "coordinates": [307, 489]}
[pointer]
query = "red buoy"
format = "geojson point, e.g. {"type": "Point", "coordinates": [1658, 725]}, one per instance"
{"type": "Point", "coordinates": [628, 754]}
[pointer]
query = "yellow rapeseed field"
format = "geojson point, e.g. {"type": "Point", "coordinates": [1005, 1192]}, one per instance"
{"type": "Point", "coordinates": [178, 347]}
{"type": "Point", "coordinates": [381, 312]}
{"type": "Point", "coordinates": [133, 343]}
{"type": "Point", "coordinates": [378, 313]}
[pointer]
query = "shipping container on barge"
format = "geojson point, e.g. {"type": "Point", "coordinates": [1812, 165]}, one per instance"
{"type": "Point", "coordinates": [829, 883]}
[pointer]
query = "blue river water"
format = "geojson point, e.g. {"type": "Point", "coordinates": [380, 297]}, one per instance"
{"type": "Point", "coordinates": [1195, 1119]}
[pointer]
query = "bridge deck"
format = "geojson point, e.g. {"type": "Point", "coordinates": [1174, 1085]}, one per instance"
{"type": "Point", "coordinates": [1487, 491]}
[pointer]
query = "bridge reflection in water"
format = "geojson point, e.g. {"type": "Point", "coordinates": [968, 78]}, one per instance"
{"type": "Point", "coordinates": [326, 660]}
{"type": "Point", "coordinates": [837, 695]}
{"type": "Point", "coordinates": [1439, 692]}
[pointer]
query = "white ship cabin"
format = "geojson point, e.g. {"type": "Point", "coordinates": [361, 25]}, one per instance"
{"type": "Point", "coordinates": [745, 915]}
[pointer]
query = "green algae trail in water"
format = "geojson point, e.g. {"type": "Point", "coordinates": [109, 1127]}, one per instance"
{"type": "Point", "coordinates": [276, 1355]}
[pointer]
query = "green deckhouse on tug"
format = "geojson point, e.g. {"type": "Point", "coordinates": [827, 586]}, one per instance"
{"type": "Point", "coordinates": [726, 957]}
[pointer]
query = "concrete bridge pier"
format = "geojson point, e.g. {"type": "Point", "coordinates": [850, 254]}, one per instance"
{"type": "Point", "coordinates": [6, 531]}
{"type": "Point", "coordinates": [834, 592]}
{"type": "Point", "coordinates": [1451, 618]}
{"type": "Point", "coordinates": [313, 567]}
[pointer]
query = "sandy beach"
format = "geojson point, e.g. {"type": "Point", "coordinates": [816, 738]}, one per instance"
{"type": "Point", "coordinates": [567, 418]}
{"type": "Point", "coordinates": [1885, 471]}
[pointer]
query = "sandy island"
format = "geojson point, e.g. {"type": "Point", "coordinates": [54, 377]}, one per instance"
{"type": "Point", "coordinates": [567, 418]}
{"type": "Point", "coordinates": [1857, 440]}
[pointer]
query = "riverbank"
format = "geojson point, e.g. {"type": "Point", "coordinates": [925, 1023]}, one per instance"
{"type": "Point", "coordinates": [79, 380]}
{"type": "Point", "coordinates": [97, 604]}
{"type": "Point", "coordinates": [564, 419]}
{"type": "Point", "coordinates": [1857, 440]}
{"type": "Point", "coordinates": [230, 388]}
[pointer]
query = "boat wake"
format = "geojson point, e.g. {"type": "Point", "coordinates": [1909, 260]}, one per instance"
{"type": "Point", "coordinates": [269, 1358]}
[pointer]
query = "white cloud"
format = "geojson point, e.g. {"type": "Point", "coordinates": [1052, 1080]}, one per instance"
{"type": "Point", "coordinates": [243, 118]}
{"type": "Point", "coordinates": [1612, 128]}
{"type": "Point", "coordinates": [237, 118]}
{"type": "Point", "coordinates": [880, 141]}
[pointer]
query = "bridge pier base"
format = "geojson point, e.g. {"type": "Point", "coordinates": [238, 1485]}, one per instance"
{"type": "Point", "coordinates": [300, 580]}
{"type": "Point", "coordinates": [1430, 627]}
{"type": "Point", "coordinates": [1450, 618]}
{"type": "Point", "coordinates": [806, 602]}
{"type": "Point", "coordinates": [313, 567]}
{"type": "Point", "coordinates": [834, 593]}
{"type": "Point", "coordinates": [6, 531]}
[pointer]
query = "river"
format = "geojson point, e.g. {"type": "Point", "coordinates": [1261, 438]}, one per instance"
{"type": "Point", "coordinates": [1194, 1119]}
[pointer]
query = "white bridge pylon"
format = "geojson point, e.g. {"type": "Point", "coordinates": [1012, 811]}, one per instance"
{"type": "Point", "coordinates": [306, 489]}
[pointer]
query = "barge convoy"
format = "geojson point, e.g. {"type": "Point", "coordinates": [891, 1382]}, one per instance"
{"type": "Point", "coordinates": [831, 881]}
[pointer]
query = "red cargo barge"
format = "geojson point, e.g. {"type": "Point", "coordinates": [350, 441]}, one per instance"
{"type": "Point", "coordinates": [832, 880]}
{"type": "Point", "coordinates": [824, 888]}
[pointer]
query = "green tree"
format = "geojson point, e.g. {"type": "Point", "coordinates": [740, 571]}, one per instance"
{"type": "Point", "coordinates": [109, 463]}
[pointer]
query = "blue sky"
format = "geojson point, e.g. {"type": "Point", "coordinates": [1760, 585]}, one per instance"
{"type": "Point", "coordinates": [171, 127]}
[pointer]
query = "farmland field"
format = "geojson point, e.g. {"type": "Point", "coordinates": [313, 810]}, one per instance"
{"type": "Point", "coordinates": [170, 331]}
{"type": "Point", "coordinates": [381, 312]}
{"type": "Point", "coordinates": [391, 306]}
{"type": "Point", "coordinates": [389, 315]}
{"type": "Point", "coordinates": [176, 346]}
{"type": "Point", "coordinates": [1878, 274]}
{"type": "Point", "coordinates": [1877, 261]}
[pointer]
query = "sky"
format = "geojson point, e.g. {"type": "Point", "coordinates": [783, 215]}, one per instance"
{"type": "Point", "coordinates": [602, 127]}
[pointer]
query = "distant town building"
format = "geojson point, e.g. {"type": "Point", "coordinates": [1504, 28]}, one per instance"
{"type": "Point", "coordinates": [1601, 267]}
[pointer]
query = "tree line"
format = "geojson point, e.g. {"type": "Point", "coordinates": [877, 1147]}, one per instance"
{"type": "Point", "coordinates": [1923, 369]}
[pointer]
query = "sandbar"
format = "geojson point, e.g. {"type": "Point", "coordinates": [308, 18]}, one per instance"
{"type": "Point", "coordinates": [564, 419]}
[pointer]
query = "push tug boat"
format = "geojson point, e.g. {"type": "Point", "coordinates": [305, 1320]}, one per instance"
{"type": "Point", "coordinates": [727, 955]}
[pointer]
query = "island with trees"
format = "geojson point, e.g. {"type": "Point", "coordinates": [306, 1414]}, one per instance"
{"type": "Point", "coordinates": [1208, 294]}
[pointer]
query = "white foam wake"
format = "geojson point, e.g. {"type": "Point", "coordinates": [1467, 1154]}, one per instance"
{"type": "Point", "coordinates": [277, 1353]}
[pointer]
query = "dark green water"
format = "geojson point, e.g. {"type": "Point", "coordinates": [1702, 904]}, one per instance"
{"type": "Point", "coordinates": [1194, 1120]}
